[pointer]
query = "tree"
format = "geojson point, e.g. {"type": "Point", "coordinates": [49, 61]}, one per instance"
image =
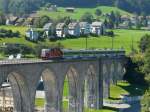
{"type": "Point", "coordinates": [112, 16]}
{"type": "Point", "coordinates": [110, 24]}
{"type": "Point", "coordinates": [88, 17]}
{"type": "Point", "coordinates": [117, 18]}
{"type": "Point", "coordinates": [5, 6]}
{"type": "Point", "coordinates": [36, 23]}
{"type": "Point", "coordinates": [106, 23]}
{"type": "Point", "coordinates": [144, 21]}
{"type": "Point", "coordinates": [98, 12]}
{"type": "Point", "coordinates": [144, 43]}
{"type": "Point", "coordinates": [147, 63]}
{"type": "Point", "coordinates": [67, 20]}
{"type": "Point", "coordinates": [110, 33]}
{"type": "Point", "coordinates": [25, 50]}
{"type": "Point", "coordinates": [146, 102]}
{"type": "Point", "coordinates": [40, 22]}
{"type": "Point", "coordinates": [146, 98]}
{"type": "Point", "coordinates": [2, 19]}
{"type": "Point", "coordinates": [138, 23]}
{"type": "Point", "coordinates": [11, 49]}
{"type": "Point", "coordinates": [129, 24]}
{"type": "Point", "coordinates": [48, 5]}
{"type": "Point", "coordinates": [134, 74]}
{"type": "Point", "coordinates": [44, 20]}
{"type": "Point", "coordinates": [112, 20]}
{"type": "Point", "coordinates": [38, 48]}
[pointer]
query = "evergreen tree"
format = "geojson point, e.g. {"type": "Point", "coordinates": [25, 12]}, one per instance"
{"type": "Point", "coordinates": [5, 6]}
{"type": "Point", "coordinates": [88, 17]}
{"type": "Point", "coordinates": [2, 19]}
{"type": "Point", "coordinates": [98, 12]}
{"type": "Point", "coordinates": [106, 23]}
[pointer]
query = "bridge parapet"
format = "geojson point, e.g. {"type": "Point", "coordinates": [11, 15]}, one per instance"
{"type": "Point", "coordinates": [24, 76]}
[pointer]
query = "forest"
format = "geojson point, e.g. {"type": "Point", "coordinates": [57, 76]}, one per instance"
{"type": "Point", "coordinates": [20, 7]}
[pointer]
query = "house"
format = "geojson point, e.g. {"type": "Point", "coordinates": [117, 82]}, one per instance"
{"type": "Point", "coordinates": [125, 18]}
{"type": "Point", "coordinates": [84, 28]}
{"type": "Point", "coordinates": [11, 20]}
{"type": "Point", "coordinates": [30, 19]}
{"type": "Point", "coordinates": [134, 20]}
{"type": "Point", "coordinates": [148, 21]}
{"type": "Point", "coordinates": [98, 28]}
{"type": "Point", "coordinates": [74, 29]}
{"type": "Point", "coordinates": [52, 8]}
{"type": "Point", "coordinates": [61, 30]}
{"type": "Point", "coordinates": [124, 25]}
{"type": "Point", "coordinates": [32, 34]}
{"type": "Point", "coordinates": [20, 22]}
{"type": "Point", "coordinates": [48, 29]}
{"type": "Point", "coordinates": [47, 26]}
{"type": "Point", "coordinates": [70, 9]}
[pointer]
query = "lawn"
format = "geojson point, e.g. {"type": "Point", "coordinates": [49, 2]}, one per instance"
{"type": "Point", "coordinates": [115, 92]}
{"type": "Point", "coordinates": [66, 89]}
{"type": "Point", "coordinates": [126, 89]}
{"type": "Point", "coordinates": [40, 103]}
{"type": "Point", "coordinates": [123, 38]}
{"type": "Point", "coordinates": [20, 40]}
{"type": "Point", "coordinates": [79, 12]}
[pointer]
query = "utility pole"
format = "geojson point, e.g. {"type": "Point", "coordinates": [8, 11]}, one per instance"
{"type": "Point", "coordinates": [132, 45]}
{"type": "Point", "coordinates": [112, 43]}
{"type": "Point", "coordinates": [86, 43]}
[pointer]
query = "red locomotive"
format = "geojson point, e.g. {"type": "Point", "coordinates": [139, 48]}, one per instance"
{"type": "Point", "coordinates": [53, 53]}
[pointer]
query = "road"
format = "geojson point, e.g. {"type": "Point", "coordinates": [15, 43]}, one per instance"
{"type": "Point", "coordinates": [135, 107]}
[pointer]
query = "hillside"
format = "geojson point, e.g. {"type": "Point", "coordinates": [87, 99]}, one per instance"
{"type": "Point", "coordinates": [20, 7]}
{"type": "Point", "coordinates": [123, 38]}
{"type": "Point", "coordinates": [80, 11]}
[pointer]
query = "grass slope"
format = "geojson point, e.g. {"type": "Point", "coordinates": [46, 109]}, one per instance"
{"type": "Point", "coordinates": [79, 12]}
{"type": "Point", "coordinates": [16, 40]}
{"type": "Point", "coordinates": [123, 38]}
{"type": "Point", "coordinates": [126, 89]}
{"type": "Point", "coordinates": [115, 92]}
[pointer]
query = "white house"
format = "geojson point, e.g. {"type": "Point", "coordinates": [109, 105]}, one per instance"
{"type": "Point", "coordinates": [61, 30]}
{"type": "Point", "coordinates": [32, 34]}
{"type": "Point", "coordinates": [125, 18]}
{"type": "Point", "coordinates": [48, 29]}
{"type": "Point", "coordinates": [47, 26]}
{"type": "Point", "coordinates": [74, 29]}
{"type": "Point", "coordinates": [98, 28]}
{"type": "Point", "coordinates": [52, 8]}
{"type": "Point", "coordinates": [11, 20]}
{"type": "Point", "coordinates": [134, 20]}
{"type": "Point", "coordinates": [148, 23]}
{"type": "Point", "coordinates": [70, 9]}
{"type": "Point", "coordinates": [84, 28]}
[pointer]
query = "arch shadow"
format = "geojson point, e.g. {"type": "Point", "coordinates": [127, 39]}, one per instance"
{"type": "Point", "coordinates": [90, 88]}
{"type": "Point", "coordinates": [51, 90]}
{"type": "Point", "coordinates": [72, 79]}
{"type": "Point", "coordinates": [20, 92]}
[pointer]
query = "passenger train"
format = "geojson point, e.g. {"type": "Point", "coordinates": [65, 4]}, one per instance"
{"type": "Point", "coordinates": [57, 53]}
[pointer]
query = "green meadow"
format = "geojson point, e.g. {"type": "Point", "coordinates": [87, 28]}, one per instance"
{"type": "Point", "coordinates": [79, 12]}
{"type": "Point", "coordinates": [122, 39]}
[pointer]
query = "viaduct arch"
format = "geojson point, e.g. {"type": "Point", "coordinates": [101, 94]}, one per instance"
{"type": "Point", "coordinates": [88, 81]}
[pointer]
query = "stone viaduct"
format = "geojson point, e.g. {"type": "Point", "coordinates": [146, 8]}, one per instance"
{"type": "Point", "coordinates": [89, 81]}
